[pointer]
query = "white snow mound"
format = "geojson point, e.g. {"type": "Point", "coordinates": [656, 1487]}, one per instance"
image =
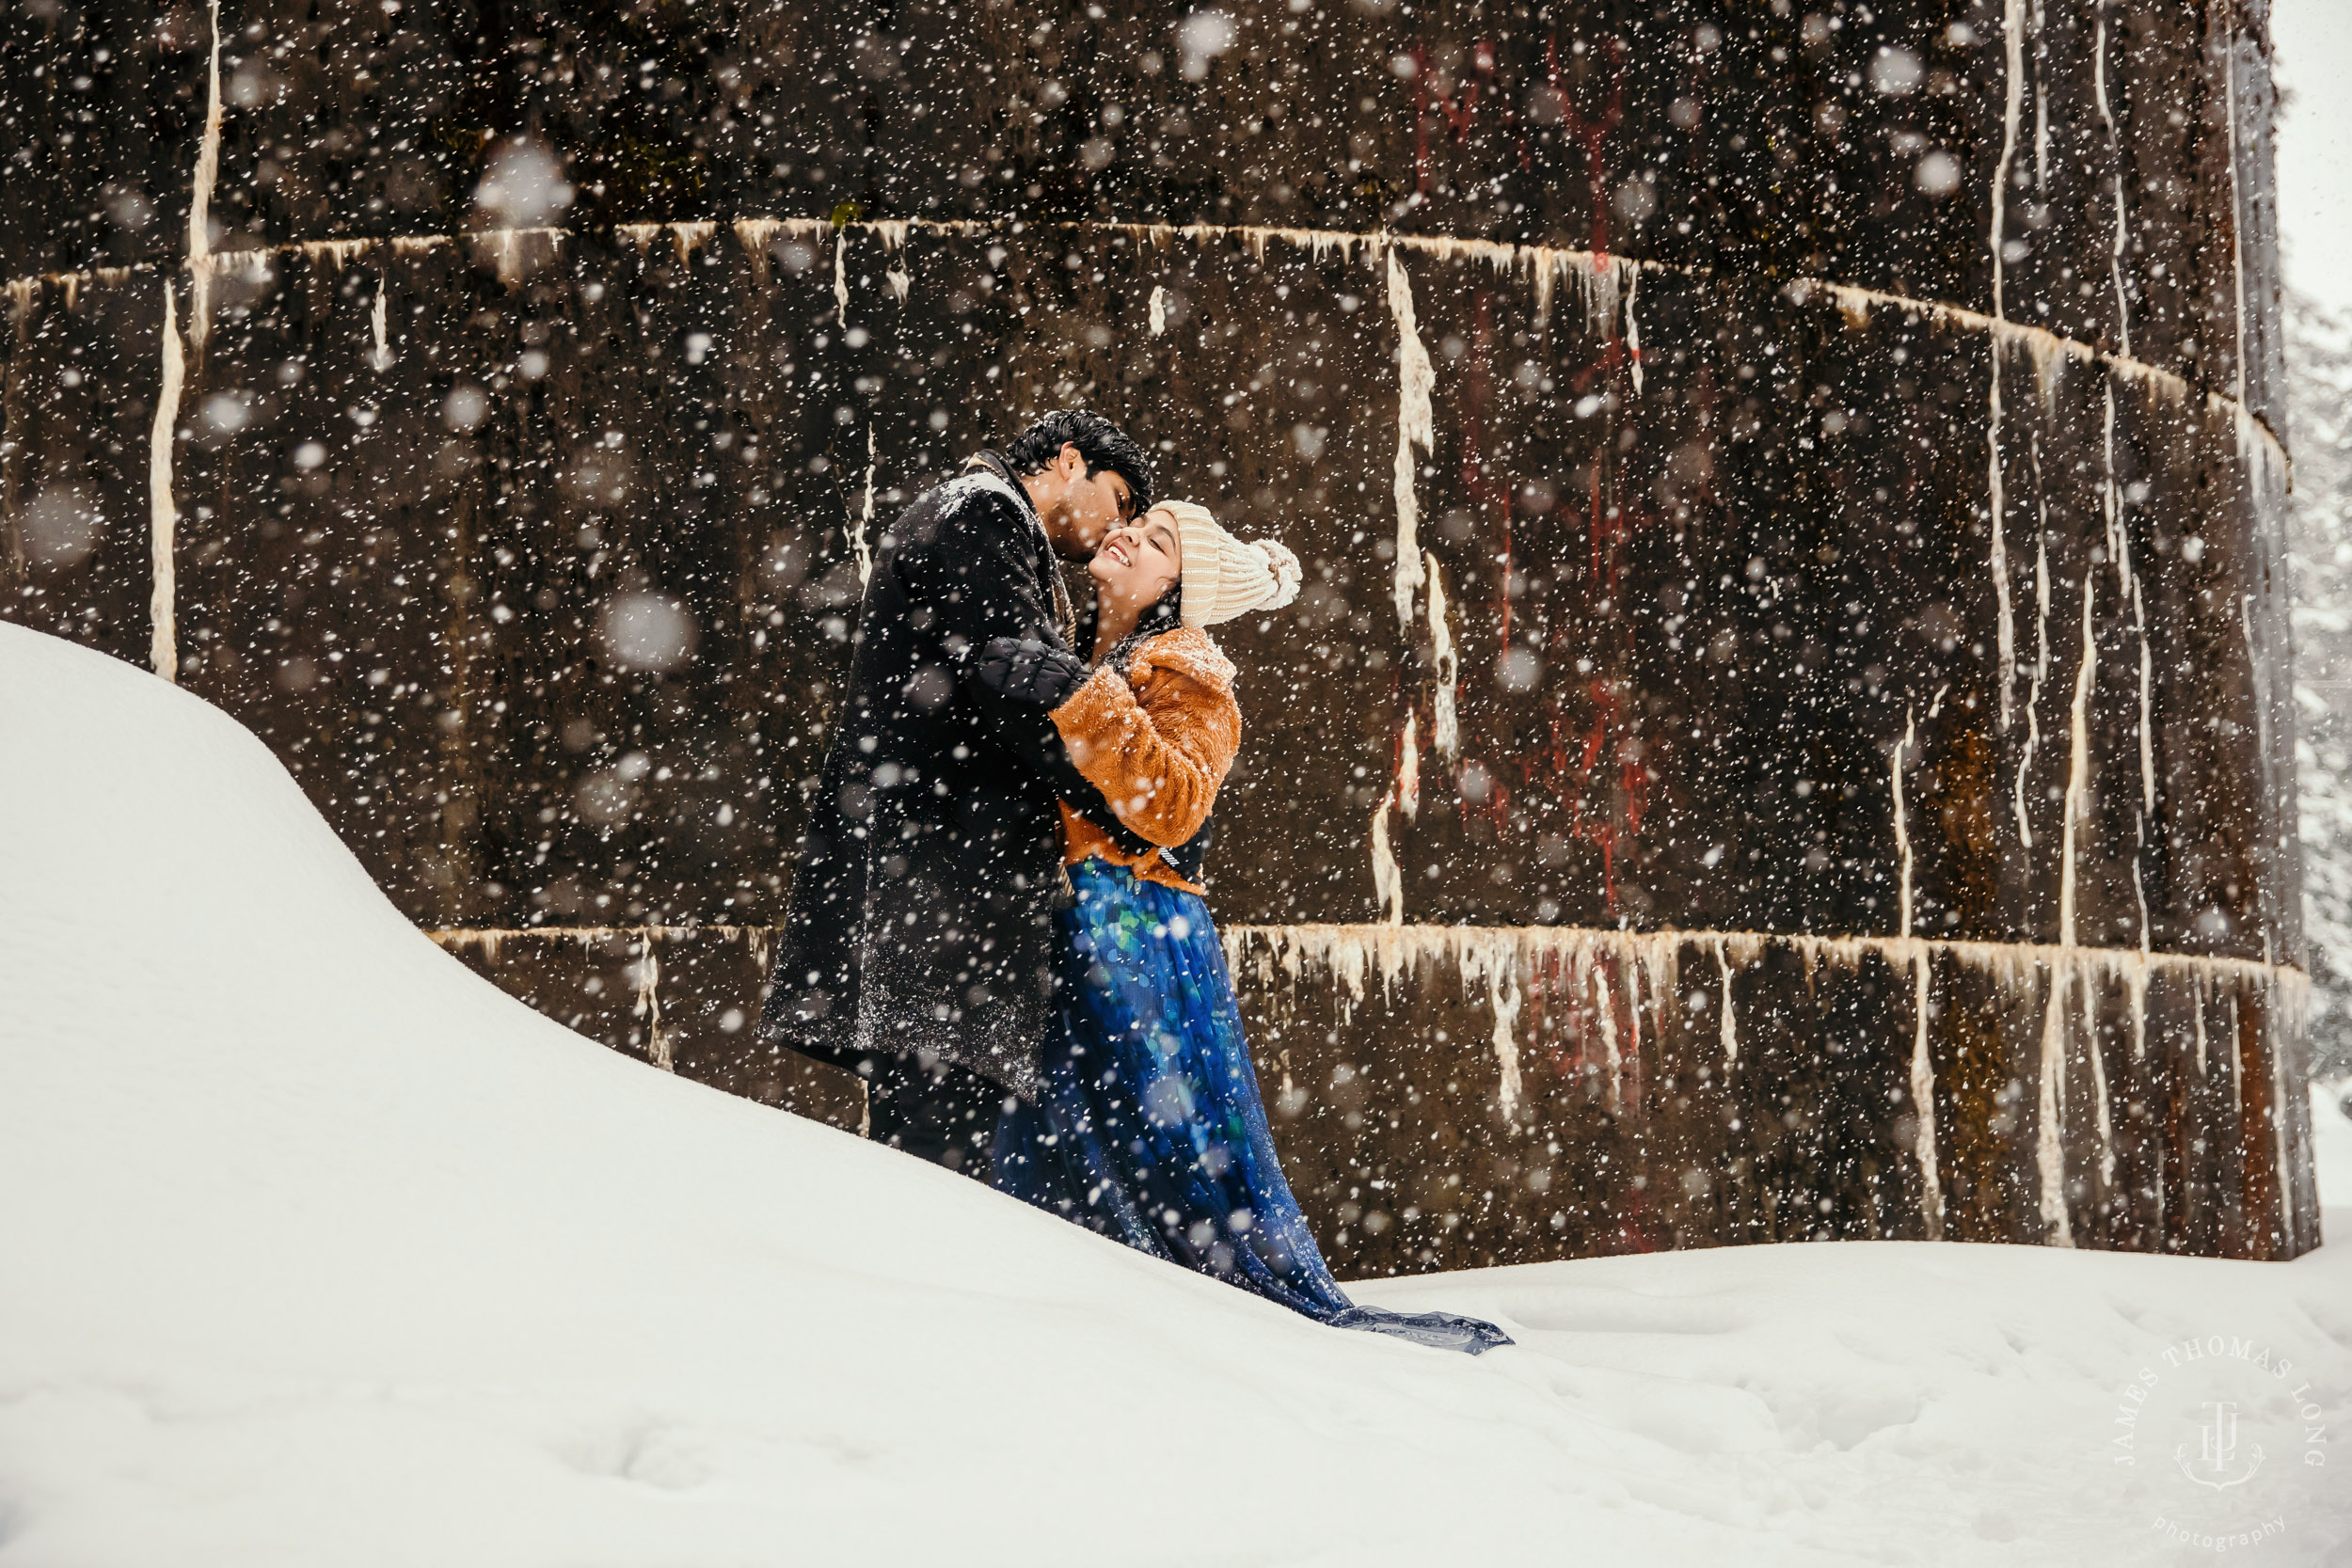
{"type": "Point", "coordinates": [314, 1247]}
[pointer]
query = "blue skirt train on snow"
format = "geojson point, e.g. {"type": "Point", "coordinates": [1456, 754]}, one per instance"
{"type": "Point", "coordinates": [1148, 1126]}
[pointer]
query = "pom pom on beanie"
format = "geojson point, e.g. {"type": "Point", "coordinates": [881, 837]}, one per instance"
{"type": "Point", "coordinates": [1225, 576]}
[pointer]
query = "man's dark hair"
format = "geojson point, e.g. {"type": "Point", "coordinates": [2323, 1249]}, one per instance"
{"type": "Point", "coordinates": [1101, 443]}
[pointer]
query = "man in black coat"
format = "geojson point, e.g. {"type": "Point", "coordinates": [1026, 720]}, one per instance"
{"type": "Point", "coordinates": [917, 948]}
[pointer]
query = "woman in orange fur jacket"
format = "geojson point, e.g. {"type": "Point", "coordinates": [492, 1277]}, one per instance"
{"type": "Point", "coordinates": [1146, 1126]}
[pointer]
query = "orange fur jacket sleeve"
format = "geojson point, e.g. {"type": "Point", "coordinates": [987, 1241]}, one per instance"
{"type": "Point", "coordinates": [1157, 740]}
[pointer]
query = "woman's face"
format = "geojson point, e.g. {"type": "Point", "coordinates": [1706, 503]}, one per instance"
{"type": "Point", "coordinates": [1141, 560]}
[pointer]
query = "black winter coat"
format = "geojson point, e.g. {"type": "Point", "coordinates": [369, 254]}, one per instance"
{"type": "Point", "coordinates": [920, 919]}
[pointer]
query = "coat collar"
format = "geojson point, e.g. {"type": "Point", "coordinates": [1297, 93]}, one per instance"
{"type": "Point", "coordinates": [1185, 651]}
{"type": "Point", "coordinates": [992, 465]}
{"type": "Point", "coordinates": [989, 461]}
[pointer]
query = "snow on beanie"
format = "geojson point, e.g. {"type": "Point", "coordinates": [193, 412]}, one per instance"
{"type": "Point", "coordinates": [1224, 577]}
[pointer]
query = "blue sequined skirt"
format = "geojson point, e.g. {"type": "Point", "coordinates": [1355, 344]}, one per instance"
{"type": "Point", "coordinates": [1147, 1127]}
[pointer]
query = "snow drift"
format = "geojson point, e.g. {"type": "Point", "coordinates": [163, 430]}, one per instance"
{"type": "Point", "coordinates": [315, 1248]}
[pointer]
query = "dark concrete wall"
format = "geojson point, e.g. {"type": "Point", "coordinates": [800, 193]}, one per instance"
{"type": "Point", "coordinates": [1793, 570]}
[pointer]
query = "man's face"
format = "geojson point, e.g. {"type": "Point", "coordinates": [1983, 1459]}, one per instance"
{"type": "Point", "coordinates": [1093, 505]}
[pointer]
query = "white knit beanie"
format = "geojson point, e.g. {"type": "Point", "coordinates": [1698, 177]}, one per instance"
{"type": "Point", "coordinates": [1223, 576]}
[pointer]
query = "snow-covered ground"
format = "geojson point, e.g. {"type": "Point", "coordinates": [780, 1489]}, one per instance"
{"type": "Point", "coordinates": [315, 1248]}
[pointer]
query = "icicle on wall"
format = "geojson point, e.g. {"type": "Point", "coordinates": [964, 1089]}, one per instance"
{"type": "Point", "coordinates": [1445, 728]}
{"type": "Point", "coordinates": [1413, 432]}
{"type": "Point", "coordinates": [2013, 43]}
{"type": "Point", "coordinates": [162, 515]}
{"type": "Point", "coordinates": [199, 243]}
